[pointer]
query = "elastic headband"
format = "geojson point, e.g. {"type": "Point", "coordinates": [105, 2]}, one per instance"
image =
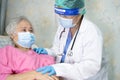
{"type": "Point", "coordinates": [62, 11]}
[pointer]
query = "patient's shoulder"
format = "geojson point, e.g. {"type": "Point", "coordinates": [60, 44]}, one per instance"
{"type": "Point", "coordinates": [5, 52]}
{"type": "Point", "coordinates": [7, 47]}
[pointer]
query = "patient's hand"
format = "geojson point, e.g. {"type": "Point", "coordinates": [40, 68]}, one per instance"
{"type": "Point", "coordinates": [41, 76]}
{"type": "Point", "coordinates": [31, 75]}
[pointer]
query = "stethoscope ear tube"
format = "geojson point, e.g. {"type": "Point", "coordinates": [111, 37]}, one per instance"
{"type": "Point", "coordinates": [70, 53]}
{"type": "Point", "coordinates": [61, 33]}
{"type": "Point", "coordinates": [76, 34]}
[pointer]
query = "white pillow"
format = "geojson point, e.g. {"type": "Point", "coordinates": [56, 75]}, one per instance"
{"type": "Point", "coordinates": [5, 40]}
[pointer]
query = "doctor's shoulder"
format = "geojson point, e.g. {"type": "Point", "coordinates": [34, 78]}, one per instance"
{"type": "Point", "coordinates": [91, 27]}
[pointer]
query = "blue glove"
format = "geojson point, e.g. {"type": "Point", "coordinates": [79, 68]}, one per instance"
{"type": "Point", "coordinates": [47, 69]}
{"type": "Point", "coordinates": [40, 50]}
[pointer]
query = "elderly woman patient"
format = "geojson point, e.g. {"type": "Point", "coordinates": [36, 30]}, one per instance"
{"type": "Point", "coordinates": [19, 62]}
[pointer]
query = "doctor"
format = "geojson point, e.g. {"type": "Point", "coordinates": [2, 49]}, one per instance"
{"type": "Point", "coordinates": [77, 45]}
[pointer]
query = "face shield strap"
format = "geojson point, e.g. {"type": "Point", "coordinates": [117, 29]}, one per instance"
{"type": "Point", "coordinates": [75, 11]}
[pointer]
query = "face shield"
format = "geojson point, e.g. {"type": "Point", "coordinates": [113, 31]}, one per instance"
{"type": "Point", "coordinates": [67, 10]}
{"type": "Point", "coordinates": [67, 17]}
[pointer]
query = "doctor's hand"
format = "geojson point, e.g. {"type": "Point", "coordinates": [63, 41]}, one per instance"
{"type": "Point", "coordinates": [40, 50]}
{"type": "Point", "coordinates": [47, 69]}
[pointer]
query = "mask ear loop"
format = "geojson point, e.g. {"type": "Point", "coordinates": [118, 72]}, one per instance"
{"type": "Point", "coordinates": [11, 37]}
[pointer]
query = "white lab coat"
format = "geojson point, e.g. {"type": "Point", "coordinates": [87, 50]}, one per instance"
{"type": "Point", "coordinates": [87, 52]}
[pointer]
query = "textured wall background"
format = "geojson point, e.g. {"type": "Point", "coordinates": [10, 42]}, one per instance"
{"type": "Point", "coordinates": [40, 13]}
{"type": "Point", "coordinates": [104, 13]}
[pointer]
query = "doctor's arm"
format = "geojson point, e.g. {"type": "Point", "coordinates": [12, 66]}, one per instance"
{"type": "Point", "coordinates": [90, 62]}
{"type": "Point", "coordinates": [51, 51]}
{"type": "Point", "coordinates": [88, 66]}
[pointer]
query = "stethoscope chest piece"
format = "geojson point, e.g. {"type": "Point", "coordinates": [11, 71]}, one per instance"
{"type": "Point", "coordinates": [61, 54]}
{"type": "Point", "coordinates": [70, 53]}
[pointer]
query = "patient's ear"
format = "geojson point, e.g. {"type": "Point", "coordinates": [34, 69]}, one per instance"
{"type": "Point", "coordinates": [12, 36]}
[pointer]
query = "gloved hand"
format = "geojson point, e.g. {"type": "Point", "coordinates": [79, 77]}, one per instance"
{"type": "Point", "coordinates": [47, 69]}
{"type": "Point", "coordinates": [40, 50]}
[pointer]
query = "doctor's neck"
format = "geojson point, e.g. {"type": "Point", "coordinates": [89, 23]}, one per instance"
{"type": "Point", "coordinates": [77, 21]}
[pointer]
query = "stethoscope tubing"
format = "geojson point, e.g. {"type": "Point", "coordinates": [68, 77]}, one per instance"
{"type": "Point", "coordinates": [70, 51]}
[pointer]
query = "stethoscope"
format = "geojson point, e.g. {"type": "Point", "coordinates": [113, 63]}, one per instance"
{"type": "Point", "coordinates": [70, 53]}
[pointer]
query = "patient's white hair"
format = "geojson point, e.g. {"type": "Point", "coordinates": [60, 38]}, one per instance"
{"type": "Point", "coordinates": [10, 29]}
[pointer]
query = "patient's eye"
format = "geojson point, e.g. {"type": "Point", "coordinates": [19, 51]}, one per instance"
{"type": "Point", "coordinates": [31, 30]}
{"type": "Point", "coordinates": [24, 30]}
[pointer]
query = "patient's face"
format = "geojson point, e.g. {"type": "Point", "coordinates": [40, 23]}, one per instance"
{"type": "Point", "coordinates": [23, 26]}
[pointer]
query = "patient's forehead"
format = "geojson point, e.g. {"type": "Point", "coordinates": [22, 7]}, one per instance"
{"type": "Point", "coordinates": [24, 24]}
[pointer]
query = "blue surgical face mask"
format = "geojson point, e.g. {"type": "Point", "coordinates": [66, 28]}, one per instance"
{"type": "Point", "coordinates": [66, 23]}
{"type": "Point", "coordinates": [26, 39]}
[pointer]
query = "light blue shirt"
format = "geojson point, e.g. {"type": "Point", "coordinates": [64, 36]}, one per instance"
{"type": "Point", "coordinates": [69, 38]}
